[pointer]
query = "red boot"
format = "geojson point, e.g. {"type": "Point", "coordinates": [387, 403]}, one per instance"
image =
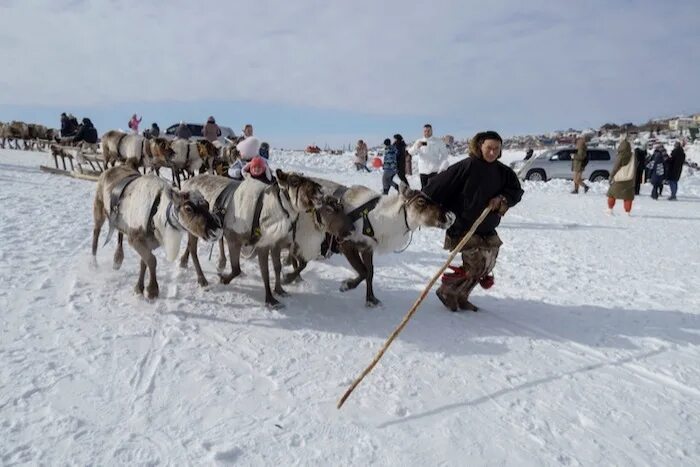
{"type": "Point", "coordinates": [487, 281]}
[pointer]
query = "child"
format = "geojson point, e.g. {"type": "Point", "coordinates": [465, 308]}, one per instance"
{"type": "Point", "coordinates": [390, 166]}
{"type": "Point", "coordinates": [258, 169]}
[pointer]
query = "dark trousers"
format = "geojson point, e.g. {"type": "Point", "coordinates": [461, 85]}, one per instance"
{"type": "Point", "coordinates": [388, 181]}
{"type": "Point", "coordinates": [638, 181]}
{"type": "Point", "coordinates": [425, 178]}
{"type": "Point", "coordinates": [656, 190]}
{"type": "Point", "coordinates": [674, 187]}
{"type": "Point", "coordinates": [359, 167]}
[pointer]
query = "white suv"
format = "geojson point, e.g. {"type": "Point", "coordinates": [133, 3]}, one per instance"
{"type": "Point", "coordinates": [556, 163]}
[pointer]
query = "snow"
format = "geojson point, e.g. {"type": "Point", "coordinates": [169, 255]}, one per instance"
{"type": "Point", "coordinates": [585, 352]}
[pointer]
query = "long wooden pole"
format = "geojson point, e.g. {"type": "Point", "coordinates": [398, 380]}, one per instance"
{"type": "Point", "coordinates": [415, 306]}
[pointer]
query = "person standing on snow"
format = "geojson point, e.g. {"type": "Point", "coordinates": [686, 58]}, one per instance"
{"type": "Point", "coordinates": [640, 156]}
{"type": "Point", "coordinates": [675, 167]}
{"type": "Point", "coordinates": [578, 164]}
{"type": "Point", "coordinates": [622, 177]}
{"type": "Point", "coordinates": [400, 146]}
{"type": "Point", "coordinates": [657, 170]}
{"type": "Point", "coordinates": [361, 154]}
{"type": "Point", "coordinates": [432, 155]}
{"type": "Point", "coordinates": [134, 124]}
{"type": "Point", "coordinates": [467, 188]}
{"type": "Point", "coordinates": [390, 166]}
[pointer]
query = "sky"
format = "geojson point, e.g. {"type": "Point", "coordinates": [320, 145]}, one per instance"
{"type": "Point", "coordinates": [330, 72]}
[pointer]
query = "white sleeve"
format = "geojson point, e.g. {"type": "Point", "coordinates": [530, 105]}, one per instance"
{"type": "Point", "coordinates": [444, 157]}
{"type": "Point", "coordinates": [413, 150]}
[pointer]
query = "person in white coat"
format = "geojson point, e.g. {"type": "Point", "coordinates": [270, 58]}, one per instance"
{"type": "Point", "coordinates": [431, 153]}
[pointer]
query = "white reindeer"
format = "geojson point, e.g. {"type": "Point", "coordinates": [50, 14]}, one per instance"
{"type": "Point", "coordinates": [383, 223]}
{"type": "Point", "coordinates": [150, 213]}
{"type": "Point", "coordinates": [279, 205]}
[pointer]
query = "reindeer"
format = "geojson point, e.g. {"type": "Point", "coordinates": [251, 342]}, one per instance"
{"type": "Point", "coordinates": [383, 223]}
{"type": "Point", "coordinates": [150, 213]}
{"type": "Point", "coordinates": [255, 213]}
{"type": "Point", "coordinates": [151, 153]}
{"type": "Point", "coordinates": [189, 156]}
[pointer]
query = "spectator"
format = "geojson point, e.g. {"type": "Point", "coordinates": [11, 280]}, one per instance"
{"type": "Point", "coordinates": [390, 167]}
{"type": "Point", "coordinates": [361, 154]}
{"type": "Point", "coordinates": [578, 164]}
{"type": "Point", "coordinates": [675, 167]}
{"type": "Point", "coordinates": [183, 131]}
{"type": "Point", "coordinates": [657, 170]}
{"type": "Point", "coordinates": [640, 156]}
{"type": "Point", "coordinates": [400, 145]}
{"type": "Point", "coordinates": [211, 130]}
{"type": "Point", "coordinates": [134, 123]}
{"type": "Point", "coordinates": [265, 151]}
{"type": "Point", "coordinates": [432, 155]}
{"type": "Point", "coordinates": [65, 126]}
{"type": "Point", "coordinates": [247, 130]}
{"type": "Point", "coordinates": [622, 178]}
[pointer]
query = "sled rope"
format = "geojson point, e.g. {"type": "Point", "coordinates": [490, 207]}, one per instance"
{"type": "Point", "coordinates": [415, 306]}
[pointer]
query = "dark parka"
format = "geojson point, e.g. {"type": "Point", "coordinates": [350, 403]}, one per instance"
{"type": "Point", "coordinates": [466, 188]}
{"type": "Point", "coordinates": [675, 165]}
{"type": "Point", "coordinates": [622, 190]}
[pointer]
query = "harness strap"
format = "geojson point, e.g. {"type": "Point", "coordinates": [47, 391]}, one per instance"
{"type": "Point", "coordinates": [223, 199]}
{"type": "Point", "coordinates": [119, 143]}
{"type": "Point", "coordinates": [150, 226]}
{"type": "Point", "coordinates": [115, 198]}
{"type": "Point", "coordinates": [187, 155]}
{"type": "Point", "coordinates": [340, 191]}
{"type": "Point", "coordinates": [170, 216]}
{"type": "Point", "coordinates": [255, 232]}
{"type": "Point", "coordinates": [363, 212]}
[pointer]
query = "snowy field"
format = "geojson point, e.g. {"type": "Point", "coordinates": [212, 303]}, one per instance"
{"type": "Point", "coordinates": [585, 352]}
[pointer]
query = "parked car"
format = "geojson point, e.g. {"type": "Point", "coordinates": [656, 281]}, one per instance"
{"type": "Point", "coordinates": [556, 163]}
{"type": "Point", "coordinates": [196, 130]}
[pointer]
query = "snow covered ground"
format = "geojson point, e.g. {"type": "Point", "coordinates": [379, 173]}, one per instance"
{"type": "Point", "coordinates": [586, 351]}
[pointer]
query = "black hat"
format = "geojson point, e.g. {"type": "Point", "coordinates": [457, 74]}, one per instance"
{"type": "Point", "coordinates": [398, 137]}
{"type": "Point", "coordinates": [387, 142]}
{"type": "Point", "coordinates": [484, 135]}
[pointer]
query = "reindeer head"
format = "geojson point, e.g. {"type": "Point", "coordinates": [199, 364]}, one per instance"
{"type": "Point", "coordinates": [192, 212]}
{"type": "Point", "coordinates": [304, 193]}
{"type": "Point", "coordinates": [207, 151]}
{"type": "Point", "coordinates": [161, 149]}
{"type": "Point", "coordinates": [333, 218]}
{"type": "Point", "coordinates": [422, 211]}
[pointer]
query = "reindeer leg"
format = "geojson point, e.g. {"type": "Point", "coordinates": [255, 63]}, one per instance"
{"type": "Point", "coordinates": [277, 266]}
{"type": "Point", "coordinates": [147, 259]}
{"type": "Point", "coordinates": [234, 250]}
{"type": "Point", "coordinates": [368, 260]}
{"type": "Point", "coordinates": [119, 252]}
{"type": "Point", "coordinates": [221, 266]}
{"type": "Point", "coordinates": [138, 289]}
{"type": "Point", "coordinates": [192, 247]}
{"type": "Point", "coordinates": [357, 264]}
{"type": "Point", "coordinates": [184, 259]}
{"type": "Point", "coordinates": [263, 255]}
{"type": "Point", "coordinates": [299, 265]}
{"type": "Point", "coordinates": [99, 217]}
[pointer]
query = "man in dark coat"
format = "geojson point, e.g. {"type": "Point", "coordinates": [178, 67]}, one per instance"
{"type": "Point", "coordinates": [467, 188]}
{"type": "Point", "coordinates": [86, 132]}
{"type": "Point", "coordinates": [640, 156]}
{"type": "Point", "coordinates": [400, 146]}
{"type": "Point", "coordinates": [675, 167]}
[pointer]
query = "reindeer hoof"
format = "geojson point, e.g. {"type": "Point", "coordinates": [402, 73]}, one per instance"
{"type": "Point", "coordinates": [183, 264]}
{"type": "Point", "coordinates": [372, 302]}
{"type": "Point", "coordinates": [281, 292]}
{"type": "Point", "coordinates": [138, 289]}
{"type": "Point", "coordinates": [347, 284]}
{"type": "Point", "coordinates": [203, 282]}
{"type": "Point", "coordinates": [221, 267]}
{"type": "Point", "coordinates": [116, 266]}
{"type": "Point", "coordinates": [152, 291]}
{"type": "Point", "coordinates": [274, 304]}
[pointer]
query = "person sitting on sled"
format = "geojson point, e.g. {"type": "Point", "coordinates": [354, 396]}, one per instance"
{"type": "Point", "coordinates": [467, 188]}
{"type": "Point", "coordinates": [259, 170]}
